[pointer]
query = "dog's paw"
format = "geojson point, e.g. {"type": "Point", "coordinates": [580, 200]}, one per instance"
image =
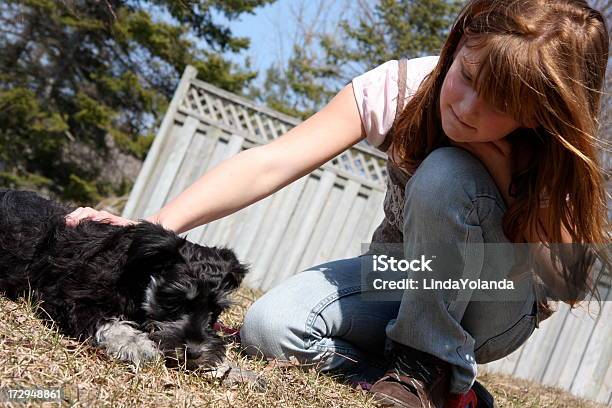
{"type": "Point", "coordinates": [122, 341]}
{"type": "Point", "coordinates": [140, 351]}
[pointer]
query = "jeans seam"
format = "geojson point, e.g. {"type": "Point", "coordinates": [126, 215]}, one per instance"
{"type": "Point", "coordinates": [459, 349]}
{"type": "Point", "coordinates": [326, 301]}
{"type": "Point", "coordinates": [494, 199]}
{"type": "Point", "coordinates": [497, 336]}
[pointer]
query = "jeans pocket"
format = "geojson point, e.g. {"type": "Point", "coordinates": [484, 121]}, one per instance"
{"type": "Point", "coordinates": [503, 344]}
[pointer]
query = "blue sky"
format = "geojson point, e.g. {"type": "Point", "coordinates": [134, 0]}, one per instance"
{"type": "Point", "coordinates": [273, 28]}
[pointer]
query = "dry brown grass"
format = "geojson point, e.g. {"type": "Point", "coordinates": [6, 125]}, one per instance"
{"type": "Point", "coordinates": [32, 354]}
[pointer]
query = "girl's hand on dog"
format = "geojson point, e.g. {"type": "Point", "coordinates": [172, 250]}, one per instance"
{"type": "Point", "coordinates": [88, 213]}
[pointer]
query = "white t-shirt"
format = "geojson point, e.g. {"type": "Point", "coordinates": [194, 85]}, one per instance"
{"type": "Point", "coordinates": [376, 93]}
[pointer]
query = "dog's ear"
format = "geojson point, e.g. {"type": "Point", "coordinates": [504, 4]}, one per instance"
{"type": "Point", "coordinates": [218, 265]}
{"type": "Point", "coordinates": [234, 270]}
{"type": "Point", "coordinates": [152, 247]}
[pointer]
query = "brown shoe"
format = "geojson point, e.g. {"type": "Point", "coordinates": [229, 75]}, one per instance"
{"type": "Point", "coordinates": [415, 380]}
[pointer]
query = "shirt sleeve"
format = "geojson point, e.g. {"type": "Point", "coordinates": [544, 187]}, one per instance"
{"type": "Point", "coordinates": [376, 93]}
{"type": "Point", "coordinates": [376, 96]}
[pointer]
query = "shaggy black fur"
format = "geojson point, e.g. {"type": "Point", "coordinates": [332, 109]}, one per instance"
{"type": "Point", "coordinates": [138, 291]}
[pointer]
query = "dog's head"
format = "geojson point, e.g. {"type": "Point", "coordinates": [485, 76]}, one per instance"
{"type": "Point", "coordinates": [187, 289]}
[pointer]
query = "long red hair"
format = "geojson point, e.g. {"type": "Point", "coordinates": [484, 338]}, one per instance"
{"type": "Point", "coordinates": [546, 63]}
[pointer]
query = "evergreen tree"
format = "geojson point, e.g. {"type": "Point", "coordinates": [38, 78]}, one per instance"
{"type": "Point", "coordinates": [78, 76]}
{"type": "Point", "coordinates": [322, 63]}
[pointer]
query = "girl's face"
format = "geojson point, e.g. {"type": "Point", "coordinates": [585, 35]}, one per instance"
{"type": "Point", "coordinates": [465, 116]}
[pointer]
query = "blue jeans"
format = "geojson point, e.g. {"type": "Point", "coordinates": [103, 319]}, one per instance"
{"type": "Point", "coordinates": [318, 317]}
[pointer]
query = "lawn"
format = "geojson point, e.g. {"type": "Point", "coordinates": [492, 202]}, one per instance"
{"type": "Point", "coordinates": [31, 354]}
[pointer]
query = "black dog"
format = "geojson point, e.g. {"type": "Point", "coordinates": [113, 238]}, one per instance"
{"type": "Point", "coordinates": [139, 291]}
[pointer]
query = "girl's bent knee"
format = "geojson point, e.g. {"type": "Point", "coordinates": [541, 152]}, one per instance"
{"type": "Point", "coordinates": [256, 330]}
{"type": "Point", "coordinates": [266, 331]}
{"type": "Point", "coordinates": [448, 166]}
{"type": "Point", "coordinates": [447, 176]}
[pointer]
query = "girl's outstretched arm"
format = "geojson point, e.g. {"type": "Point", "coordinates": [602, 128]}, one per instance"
{"type": "Point", "coordinates": [254, 174]}
{"type": "Point", "coordinates": [258, 172]}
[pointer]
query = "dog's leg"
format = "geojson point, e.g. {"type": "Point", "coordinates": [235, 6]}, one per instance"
{"type": "Point", "coordinates": [121, 340]}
